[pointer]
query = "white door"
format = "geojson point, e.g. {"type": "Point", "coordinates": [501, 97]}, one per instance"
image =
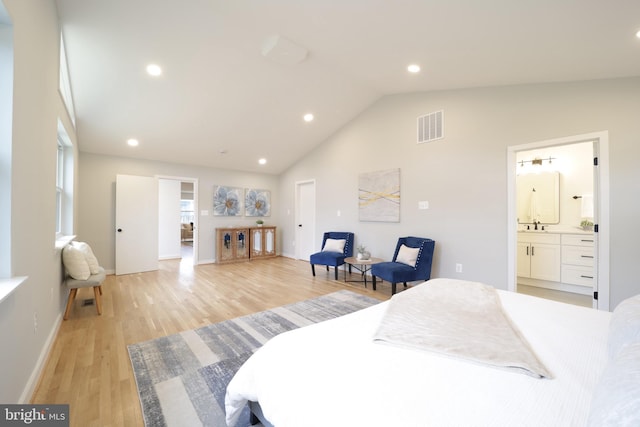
{"type": "Point", "coordinates": [136, 224]}
{"type": "Point", "coordinates": [305, 219]}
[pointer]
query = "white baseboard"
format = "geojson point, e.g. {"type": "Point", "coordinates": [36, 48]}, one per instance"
{"type": "Point", "coordinates": [206, 261]}
{"type": "Point", "coordinates": [30, 388]}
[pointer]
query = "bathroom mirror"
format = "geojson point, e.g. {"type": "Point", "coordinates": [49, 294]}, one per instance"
{"type": "Point", "coordinates": [538, 198]}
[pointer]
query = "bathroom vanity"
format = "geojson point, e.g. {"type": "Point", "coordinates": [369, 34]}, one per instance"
{"type": "Point", "coordinates": [555, 260]}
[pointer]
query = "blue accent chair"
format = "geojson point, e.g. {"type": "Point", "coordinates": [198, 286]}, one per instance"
{"type": "Point", "coordinates": [333, 259]}
{"type": "Point", "coordinates": [396, 272]}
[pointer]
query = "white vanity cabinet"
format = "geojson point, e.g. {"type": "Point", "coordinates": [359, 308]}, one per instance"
{"type": "Point", "coordinates": [539, 256]}
{"type": "Point", "coordinates": [578, 259]}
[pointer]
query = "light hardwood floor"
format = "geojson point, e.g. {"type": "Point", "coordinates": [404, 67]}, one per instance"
{"type": "Point", "coordinates": [89, 366]}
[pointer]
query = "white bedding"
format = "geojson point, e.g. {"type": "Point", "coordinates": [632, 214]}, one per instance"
{"type": "Point", "coordinates": [333, 374]}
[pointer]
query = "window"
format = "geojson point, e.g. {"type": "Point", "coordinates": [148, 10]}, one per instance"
{"type": "Point", "coordinates": [186, 211]}
{"type": "Point", "coordinates": [6, 132]}
{"type": "Point", "coordinates": [59, 185]}
{"type": "Point", "coordinates": [64, 184]}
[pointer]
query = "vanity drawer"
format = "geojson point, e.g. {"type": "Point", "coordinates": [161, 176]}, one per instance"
{"type": "Point", "coordinates": [577, 255]}
{"type": "Point", "coordinates": [578, 239]}
{"type": "Point", "coordinates": [576, 275]}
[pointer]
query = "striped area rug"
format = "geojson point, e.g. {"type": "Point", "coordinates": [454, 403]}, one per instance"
{"type": "Point", "coordinates": [182, 378]}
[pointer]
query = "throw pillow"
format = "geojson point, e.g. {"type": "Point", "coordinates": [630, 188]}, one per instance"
{"type": "Point", "coordinates": [616, 399]}
{"type": "Point", "coordinates": [624, 328]}
{"type": "Point", "coordinates": [334, 245]}
{"type": "Point", "coordinates": [94, 265]}
{"type": "Point", "coordinates": [407, 255]}
{"type": "Point", "coordinates": [75, 263]}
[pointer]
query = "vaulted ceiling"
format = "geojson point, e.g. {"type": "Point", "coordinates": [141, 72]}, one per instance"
{"type": "Point", "coordinates": [238, 75]}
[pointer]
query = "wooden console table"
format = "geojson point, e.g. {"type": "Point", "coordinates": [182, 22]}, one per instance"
{"type": "Point", "coordinates": [235, 244]}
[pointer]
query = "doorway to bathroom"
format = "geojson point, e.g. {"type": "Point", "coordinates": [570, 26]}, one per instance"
{"type": "Point", "coordinates": [558, 191]}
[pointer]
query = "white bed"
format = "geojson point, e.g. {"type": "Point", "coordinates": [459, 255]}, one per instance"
{"type": "Point", "coordinates": [333, 374]}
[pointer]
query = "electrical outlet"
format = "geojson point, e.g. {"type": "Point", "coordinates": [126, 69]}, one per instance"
{"type": "Point", "coordinates": [339, 213]}
{"type": "Point", "coordinates": [458, 268]}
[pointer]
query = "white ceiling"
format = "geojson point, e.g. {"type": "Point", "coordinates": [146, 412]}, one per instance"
{"type": "Point", "coordinates": [218, 92]}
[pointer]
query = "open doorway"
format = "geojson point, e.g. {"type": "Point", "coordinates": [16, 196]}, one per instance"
{"type": "Point", "coordinates": [550, 252]}
{"type": "Point", "coordinates": [187, 221]}
{"type": "Point", "coordinates": [178, 220]}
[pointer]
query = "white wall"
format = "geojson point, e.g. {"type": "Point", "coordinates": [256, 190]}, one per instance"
{"type": "Point", "coordinates": [36, 109]}
{"type": "Point", "coordinates": [464, 175]}
{"type": "Point", "coordinates": [96, 196]}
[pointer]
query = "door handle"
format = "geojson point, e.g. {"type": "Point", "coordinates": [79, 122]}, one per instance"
{"type": "Point", "coordinates": [119, 230]}
{"type": "Point", "coordinates": [299, 225]}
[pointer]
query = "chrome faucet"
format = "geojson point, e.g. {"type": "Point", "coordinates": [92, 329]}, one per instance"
{"type": "Point", "coordinates": [535, 224]}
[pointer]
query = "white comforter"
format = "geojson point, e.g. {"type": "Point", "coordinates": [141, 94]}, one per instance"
{"type": "Point", "coordinates": [333, 374]}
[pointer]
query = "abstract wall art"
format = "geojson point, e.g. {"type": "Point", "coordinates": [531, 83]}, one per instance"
{"type": "Point", "coordinates": [227, 201]}
{"type": "Point", "coordinates": [257, 202]}
{"type": "Point", "coordinates": [379, 196]}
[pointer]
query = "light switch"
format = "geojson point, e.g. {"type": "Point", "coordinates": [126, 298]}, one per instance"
{"type": "Point", "coordinates": [204, 213]}
{"type": "Point", "coordinates": [338, 213]}
{"type": "Point", "coordinates": [423, 205]}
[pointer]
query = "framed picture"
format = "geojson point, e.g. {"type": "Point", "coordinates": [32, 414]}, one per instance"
{"type": "Point", "coordinates": [257, 202]}
{"type": "Point", "coordinates": [379, 196]}
{"type": "Point", "coordinates": [227, 201]}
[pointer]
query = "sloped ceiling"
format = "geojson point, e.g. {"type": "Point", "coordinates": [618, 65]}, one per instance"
{"type": "Point", "coordinates": [219, 94]}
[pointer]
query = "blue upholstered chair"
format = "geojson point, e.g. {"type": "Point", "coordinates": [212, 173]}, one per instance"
{"type": "Point", "coordinates": [411, 262]}
{"type": "Point", "coordinates": [327, 256]}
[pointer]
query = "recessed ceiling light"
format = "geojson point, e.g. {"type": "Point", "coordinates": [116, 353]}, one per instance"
{"type": "Point", "coordinates": [638, 34]}
{"type": "Point", "coordinates": [262, 161]}
{"type": "Point", "coordinates": [308, 117]}
{"type": "Point", "coordinates": [133, 142]}
{"type": "Point", "coordinates": [154, 70]}
{"type": "Point", "coordinates": [413, 68]}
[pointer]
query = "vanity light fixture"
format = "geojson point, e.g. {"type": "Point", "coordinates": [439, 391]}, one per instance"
{"type": "Point", "coordinates": [133, 142]}
{"type": "Point", "coordinates": [537, 161]}
{"type": "Point", "coordinates": [413, 68]}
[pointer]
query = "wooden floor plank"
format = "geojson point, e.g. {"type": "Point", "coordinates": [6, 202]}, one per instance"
{"type": "Point", "coordinates": [89, 367]}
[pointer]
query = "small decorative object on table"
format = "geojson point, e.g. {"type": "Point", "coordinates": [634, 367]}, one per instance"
{"type": "Point", "coordinates": [259, 222]}
{"type": "Point", "coordinates": [363, 254]}
{"type": "Point", "coordinates": [586, 225]}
